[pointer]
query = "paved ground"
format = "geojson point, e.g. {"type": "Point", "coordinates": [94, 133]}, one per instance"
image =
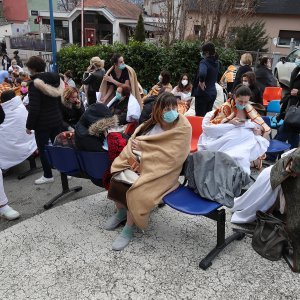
{"type": "Point", "coordinates": [64, 254]}
{"type": "Point", "coordinates": [29, 199]}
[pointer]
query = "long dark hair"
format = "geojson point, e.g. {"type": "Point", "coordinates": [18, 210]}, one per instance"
{"type": "Point", "coordinates": [164, 100]}
{"type": "Point", "coordinates": [188, 86]}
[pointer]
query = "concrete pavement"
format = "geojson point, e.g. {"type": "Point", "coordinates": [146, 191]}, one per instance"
{"type": "Point", "coordinates": [64, 254]}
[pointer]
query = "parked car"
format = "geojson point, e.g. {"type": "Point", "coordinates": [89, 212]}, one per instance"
{"type": "Point", "coordinates": [285, 66]}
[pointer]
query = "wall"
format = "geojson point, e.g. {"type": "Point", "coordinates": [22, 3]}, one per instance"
{"type": "Point", "coordinates": [19, 29]}
{"type": "Point", "coordinates": [39, 5]}
{"type": "Point", "coordinates": [5, 30]}
{"type": "Point", "coordinates": [15, 11]}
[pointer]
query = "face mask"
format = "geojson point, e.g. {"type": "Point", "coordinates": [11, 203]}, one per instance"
{"type": "Point", "coordinates": [122, 66]}
{"type": "Point", "coordinates": [245, 83]}
{"type": "Point", "coordinates": [170, 116]}
{"type": "Point", "coordinates": [239, 106]}
{"type": "Point", "coordinates": [118, 96]}
{"type": "Point", "coordinates": [297, 62]}
{"type": "Point", "coordinates": [184, 82]}
{"type": "Point", "coordinates": [159, 78]}
{"type": "Point", "coordinates": [105, 144]}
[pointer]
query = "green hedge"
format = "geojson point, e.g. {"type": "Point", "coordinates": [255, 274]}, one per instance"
{"type": "Point", "coordinates": [147, 59]}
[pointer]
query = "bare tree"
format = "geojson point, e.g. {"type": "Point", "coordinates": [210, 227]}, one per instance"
{"type": "Point", "coordinates": [67, 5]}
{"type": "Point", "coordinates": [217, 16]}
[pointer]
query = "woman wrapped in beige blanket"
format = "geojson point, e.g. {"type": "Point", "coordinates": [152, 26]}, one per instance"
{"type": "Point", "coordinates": [148, 167]}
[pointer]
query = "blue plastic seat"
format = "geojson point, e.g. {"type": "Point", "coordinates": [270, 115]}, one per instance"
{"type": "Point", "coordinates": [63, 159]}
{"type": "Point", "coordinates": [278, 146]}
{"type": "Point", "coordinates": [185, 200]}
{"type": "Point", "coordinates": [94, 164]}
{"type": "Point", "coordinates": [273, 107]}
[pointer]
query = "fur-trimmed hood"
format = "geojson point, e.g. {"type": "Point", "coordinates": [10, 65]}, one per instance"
{"type": "Point", "coordinates": [49, 84]}
{"type": "Point", "coordinates": [98, 127]}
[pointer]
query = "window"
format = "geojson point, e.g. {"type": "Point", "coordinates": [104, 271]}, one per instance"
{"type": "Point", "coordinates": [285, 37]}
{"type": "Point", "coordinates": [292, 57]}
{"type": "Point", "coordinates": [197, 30]}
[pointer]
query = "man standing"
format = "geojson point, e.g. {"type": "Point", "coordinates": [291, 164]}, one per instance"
{"type": "Point", "coordinates": [204, 89]}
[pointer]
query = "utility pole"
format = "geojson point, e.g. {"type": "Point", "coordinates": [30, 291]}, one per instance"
{"type": "Point", "coordinates": [82, 23]}
{"type": "Point", "coordinates": [53, 41]}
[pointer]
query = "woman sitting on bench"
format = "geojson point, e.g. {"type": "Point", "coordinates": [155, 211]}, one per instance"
{"type": "Point", "coordinates": [148, 167]}
{"type": "Point", "coordinates": [237, 130]}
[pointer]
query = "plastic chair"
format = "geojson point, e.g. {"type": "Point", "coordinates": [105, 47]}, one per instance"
{"type": "Point", "coordinates": [94, 164]}
{"type": "Point", "coordinates": [271, 93]}
{"type": "Point", "coordinates": [196, 123]}
{"type": "Point", "coordinates": [65, 161]}
{"type": "Point", "coordinates": [185, 200]}
{"type": "Point", "coordinates": [274, 107]}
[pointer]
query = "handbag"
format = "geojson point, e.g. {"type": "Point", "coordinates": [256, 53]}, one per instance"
{"type": "Point", "coordinates": [269, 238]}
{"type": "Point", "coordinates": [292, 117]}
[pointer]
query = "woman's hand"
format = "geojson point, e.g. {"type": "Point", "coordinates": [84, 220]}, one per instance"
{"type": "Point", "coordinates": [202, 85]}
{"type": "Point", "coordinates": [236, 121]}
{"type": "Point", "coordinates": [108, 78]}
{"type": "Point", "coordinates": [294, 92]}
{"type": "Point", "coordinates": [135, 145]}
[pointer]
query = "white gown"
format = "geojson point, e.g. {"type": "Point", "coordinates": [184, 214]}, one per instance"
{"type": "Point", "coordinates": [239, 142]}
{"type": "Point", "coordinates": [259, 196]}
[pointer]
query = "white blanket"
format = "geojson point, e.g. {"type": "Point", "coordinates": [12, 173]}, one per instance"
{"type": "Point", "coordinates": [239, 142]}
{"type": "Point", "coordinates": [16, 145]}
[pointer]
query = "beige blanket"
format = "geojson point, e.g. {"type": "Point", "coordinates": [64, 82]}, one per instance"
{"type": "Point", "coordinates": [162, 158]}
{"type": "Point", "coordinates": [133, 84]}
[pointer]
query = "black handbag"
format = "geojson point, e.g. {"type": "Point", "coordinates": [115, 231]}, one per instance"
{"type": "Point", "coordinates": [269, 238]}
{"type": "Point", "coordinates": [292, 117]}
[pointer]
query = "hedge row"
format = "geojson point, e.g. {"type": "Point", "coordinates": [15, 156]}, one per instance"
{"type": "Point", "coordinates": [147, 59]}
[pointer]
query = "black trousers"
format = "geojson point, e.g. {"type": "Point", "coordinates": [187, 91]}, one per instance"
{"type": "Point", "coordinates": [204, 104]}
{"type": "Point", "coordinates": [42, 138]}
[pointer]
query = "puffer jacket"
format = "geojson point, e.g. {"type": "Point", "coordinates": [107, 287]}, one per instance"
{"type": "Point", "coordinates": [44, 92]}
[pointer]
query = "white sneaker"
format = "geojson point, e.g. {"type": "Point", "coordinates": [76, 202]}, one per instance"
{"type": "Point", "coordinates": [8, 213]}
{"type": "Point", "coordinates": [43, 180]}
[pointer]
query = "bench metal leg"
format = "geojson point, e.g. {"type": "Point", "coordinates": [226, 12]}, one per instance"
{"type": "Point", "coordinates": [220, 217]}
{"type": "Point", "coordinates": [32, 170]}
{"type": "Point", "coordinates": [65, 190]}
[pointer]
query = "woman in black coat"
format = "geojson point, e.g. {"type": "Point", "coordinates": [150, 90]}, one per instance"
{"type": "Point", "coordinates": [245, 66]}
{"type": "Point", "coordinates": [263, 73]}
{"type": "Point", "coordinates": [291, 98]}
{"type": "Point", "coordinates": [72, 108]}
{"type": "Point", "coordinates": [248, 79]}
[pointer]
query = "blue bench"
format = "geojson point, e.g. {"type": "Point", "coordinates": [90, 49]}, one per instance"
{"type": "Point", "coordinates": [183, 199]}
{"type": "Point", "coordinates": [80, 164]}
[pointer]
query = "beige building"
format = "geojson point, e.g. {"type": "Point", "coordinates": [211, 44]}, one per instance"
{"type": "Point", "coordinates": [281, 17]}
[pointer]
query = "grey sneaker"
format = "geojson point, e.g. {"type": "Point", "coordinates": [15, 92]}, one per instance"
{"type": "Point", "coordinates": [113, 222]}
{"type": "Point", "coordinates": [121, 242]}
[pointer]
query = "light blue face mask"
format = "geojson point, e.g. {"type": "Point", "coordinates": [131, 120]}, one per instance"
{"type": "Point", "coordinates": [122, 66]}
{"type": "Point", "coordinates": [105, 144]}
{"type": "Point", "coordinates": [170, 116]}
{"type": "Point", "coordinates": [118, 96]}
{"type": "Point", "coordinates": [239, 106]}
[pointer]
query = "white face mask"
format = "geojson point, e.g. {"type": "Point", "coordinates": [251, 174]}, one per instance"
{"type": "Point", "coordinates": [184, 82]}
{"type": "Point", "coordinates": [246, 83]}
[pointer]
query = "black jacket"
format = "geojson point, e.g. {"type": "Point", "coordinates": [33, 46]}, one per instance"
{"type": "Point", "coordinates": [147, 109]}
{"type": "Point", "coordinates": [2, 115]}
{"type": "Point", "coordinates": [256, 94]}
{"type": "Point", "coordinates": [45, 91]}
{"type": "Point", "coordinates": [70, 114]}
{"type": "Point", "coordinates": [93, 80]}
{"type": "Point", "coordinates": [288, 99]}
{"type": "Point", "coordinates": [239, 74]}
{"type": "Point", "coordinates": [264, 77]}
{"type": "Point", "coordinates": [120, 108]}
{"type": "Point", "coordinates": [83, 139]}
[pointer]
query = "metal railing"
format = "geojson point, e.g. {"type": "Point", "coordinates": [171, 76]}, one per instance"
{"type": "Point", "coordinates": [28, 43]}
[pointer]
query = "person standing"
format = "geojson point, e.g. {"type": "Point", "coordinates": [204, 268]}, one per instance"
{"type": "Point", "coordinates": [93, 78]}
{"type": "Point", "coordinates": [44, 115]}
{"type": "Point", "coordinates": [18, 58]}
{"type": "Point", "coordinates": [6, 62]}
{"type": "Point", "coordinates": [204, 88]}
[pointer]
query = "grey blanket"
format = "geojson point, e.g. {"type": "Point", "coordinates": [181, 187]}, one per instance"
{"type": "Point", "coordinates": [215, 176]}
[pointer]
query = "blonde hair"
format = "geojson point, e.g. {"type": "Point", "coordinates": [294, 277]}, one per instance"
{"type": "Point", "coordinates": [247, 59]}
{"type": "Point", "coordinates": [99, 63]}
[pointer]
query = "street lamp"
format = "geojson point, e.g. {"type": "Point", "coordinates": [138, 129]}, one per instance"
{"type": "Point", "coordinates": [82, 23]}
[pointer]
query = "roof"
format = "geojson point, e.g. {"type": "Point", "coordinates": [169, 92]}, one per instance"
{"type": "Point", "coordinates": [287, 7]}
{"type": "Point", "coordinates": [118, 8]}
